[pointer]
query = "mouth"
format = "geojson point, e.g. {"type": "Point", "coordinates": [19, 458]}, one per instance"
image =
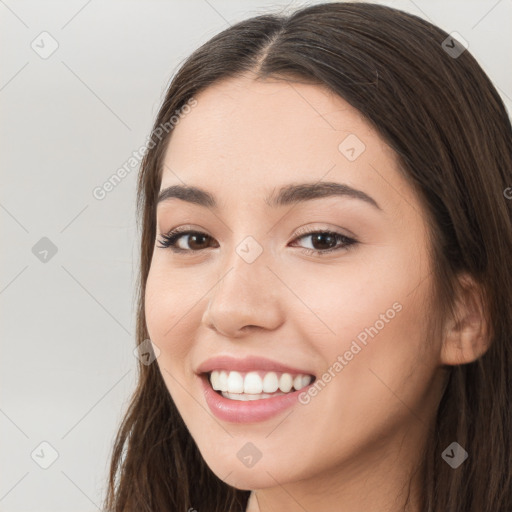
{"type": "Point", "coordinates": [256, 385]}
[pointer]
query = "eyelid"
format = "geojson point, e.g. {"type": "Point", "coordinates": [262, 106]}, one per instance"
{"type": "Point", "coordinates": [301, 230]}
{"type": "Point", "coordinates": [172, 236]}
{"type": "Point", "coordinates": [183, 228]}
{"type": "Point", "coordinates": [318, 226]}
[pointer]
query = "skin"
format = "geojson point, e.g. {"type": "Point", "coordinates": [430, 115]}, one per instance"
{"type": "Point", "coordinates": [355, 445]}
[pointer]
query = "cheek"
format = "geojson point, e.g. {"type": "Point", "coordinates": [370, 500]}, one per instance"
{"type": "Point", "coordinates": [372, 316]}
{"type": "Point", "coordinates": [339, 302]}
{"type": "Point", "coordinates": [386, 363]}
{"type": "Point", "coordinates": [377, 371]}
{"type": "Point", "coordinates": [166, 305]}
{"type": "Point", "coordinates": [169, 320]}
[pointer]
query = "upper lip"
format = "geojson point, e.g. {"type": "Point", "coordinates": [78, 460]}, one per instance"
{"type": "Point", "coordinates": [247, 364]}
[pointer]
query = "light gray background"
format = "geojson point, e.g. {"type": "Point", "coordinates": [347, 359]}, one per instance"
{"type": "Point", "coordinates": [68, 123]}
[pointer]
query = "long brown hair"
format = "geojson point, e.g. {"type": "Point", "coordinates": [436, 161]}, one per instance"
{"type": "Point", "coordinates": [433, 104]}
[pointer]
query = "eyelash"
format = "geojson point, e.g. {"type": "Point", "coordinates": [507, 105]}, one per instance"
{"type": "Point", "coordinates": [169, 240]}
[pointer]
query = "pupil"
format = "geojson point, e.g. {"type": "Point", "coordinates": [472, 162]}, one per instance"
{"type": "Point", "coordinates": [193, 240]}
{"type": "Point", "coordinates": [320, 236]}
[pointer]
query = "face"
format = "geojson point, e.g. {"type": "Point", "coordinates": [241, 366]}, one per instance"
{"type": "Point", "coordinates": [328, 282]}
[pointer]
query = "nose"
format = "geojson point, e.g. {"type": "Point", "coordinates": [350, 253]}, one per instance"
{"type": "Point", "coordinates": [246, 297]}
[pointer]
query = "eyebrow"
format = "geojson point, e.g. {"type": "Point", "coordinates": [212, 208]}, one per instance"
{"type": "Point", "coordinates": [286, 195]}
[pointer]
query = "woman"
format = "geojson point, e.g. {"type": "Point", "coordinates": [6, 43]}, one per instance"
{"type": "Point", "coordinates": [324, 277]}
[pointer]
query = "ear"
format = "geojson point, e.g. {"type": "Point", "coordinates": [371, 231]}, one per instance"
{"type": "Point", "coordinates": [466, 336]}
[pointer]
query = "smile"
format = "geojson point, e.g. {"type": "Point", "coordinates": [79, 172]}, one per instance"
{"type": "Point", "coordinates": [252, 388]}
{"type": "Point", "coordinates": [245, 407]}
{"type": "Point", "coordinates": [256, 385]}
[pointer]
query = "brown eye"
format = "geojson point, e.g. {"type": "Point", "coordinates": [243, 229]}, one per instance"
{"type": "Point", "coordinates": [197, 241]}
{"type": "Point", "coordinates": [324, 242]}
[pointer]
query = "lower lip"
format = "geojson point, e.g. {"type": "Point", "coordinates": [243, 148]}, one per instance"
{"type": "Point", "coordinates": [237, 411]}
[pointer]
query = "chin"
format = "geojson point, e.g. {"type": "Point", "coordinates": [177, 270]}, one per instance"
{"type": "Point", "coordinates": [252, 479]}
{"type": "Point", "coordinates": [263, 474]}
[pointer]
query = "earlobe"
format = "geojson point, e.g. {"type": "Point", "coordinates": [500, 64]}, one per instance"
{"type": "Point", "coordinates": [466, 336]}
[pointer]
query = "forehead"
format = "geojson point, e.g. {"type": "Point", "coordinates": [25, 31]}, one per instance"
{"type": "Point", "coordinates": [246, 136]}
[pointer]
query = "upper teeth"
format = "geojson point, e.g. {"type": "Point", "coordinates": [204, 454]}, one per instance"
{"type": "Point", "coordinates": [256, 382]}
